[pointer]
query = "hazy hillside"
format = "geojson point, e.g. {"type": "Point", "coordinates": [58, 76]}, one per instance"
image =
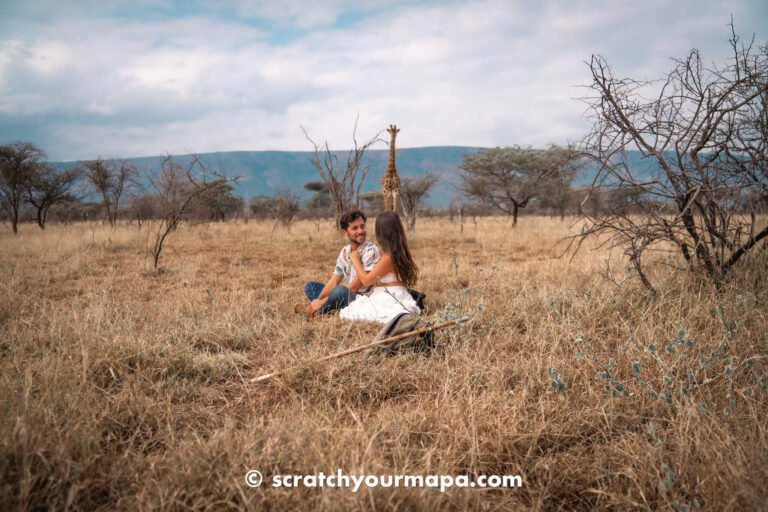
{"type": "Point", "coordinates": [264, 172]}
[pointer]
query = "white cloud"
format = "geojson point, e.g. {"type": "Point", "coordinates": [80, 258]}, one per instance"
{"type": "Point", "coordinates": [465, 73]}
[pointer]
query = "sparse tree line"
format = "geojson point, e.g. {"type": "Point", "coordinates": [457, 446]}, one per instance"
{"type": "Point", "coordinates": [501, 180]}
{"type": "Point", "coordinates": [109, 190]}
{"type": "Point", "coordinates": [511, 181]}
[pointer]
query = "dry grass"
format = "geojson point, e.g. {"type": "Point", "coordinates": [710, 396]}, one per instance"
{"type": "Point", "coordinates": [126, 388]}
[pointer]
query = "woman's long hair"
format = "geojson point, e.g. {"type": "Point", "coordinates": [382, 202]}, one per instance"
{"type": "Point", "coordinates": [391, 237]}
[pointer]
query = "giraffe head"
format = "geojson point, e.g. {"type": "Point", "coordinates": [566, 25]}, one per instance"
{"type": "Point", "coordinates": [393, 130]}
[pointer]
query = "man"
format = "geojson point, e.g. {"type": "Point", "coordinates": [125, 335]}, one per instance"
{"type": "Point", "coordinates": [344, 285]}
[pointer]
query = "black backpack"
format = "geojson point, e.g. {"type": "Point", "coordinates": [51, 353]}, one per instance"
{"type": "Point", "coordinates": [418, 297]}
{"type": "Point", "coordinates": [401, 324]}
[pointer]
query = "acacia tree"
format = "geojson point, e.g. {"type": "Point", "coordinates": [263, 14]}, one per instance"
{"type": "Point", "coordinates": [321, 199]}
{"type": "Point", "coordinates": [224, 202]}
{"type": "Point", "coordinates": [261, 206]}
{"type": "Point", "coordinates": [282, 207]}
{"type": "Point", "coordinates": [703, 137]}
{"type": "Point", "coordinates": [506, 178]}
{"type": "Point", "coordinates": [19, 163]}
{"type": "Point", "coordinates": [111, 179]}
{"type": "Point", "coordinates": [413, 191]}
{"type": "Point", "coordinates": [48, 187]}
{"type": "Point", "coordinates": [343, 181]}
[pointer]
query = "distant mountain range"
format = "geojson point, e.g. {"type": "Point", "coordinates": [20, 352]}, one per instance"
{"type": "Point", "coordinates": [265, 172]}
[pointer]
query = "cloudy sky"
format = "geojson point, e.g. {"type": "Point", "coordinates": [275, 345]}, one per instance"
{"type": "Point", "coordinates": [124, 78]}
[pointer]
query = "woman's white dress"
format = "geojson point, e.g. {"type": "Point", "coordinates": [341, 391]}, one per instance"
{"type": "Point", "coordinates": [382, 304]}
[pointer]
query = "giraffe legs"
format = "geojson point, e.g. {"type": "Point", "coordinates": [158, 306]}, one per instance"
{"type": "Point", "coordinates": [390, 200]}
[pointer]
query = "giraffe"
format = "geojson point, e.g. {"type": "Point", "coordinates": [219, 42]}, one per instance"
{"type": "Point", "coordinates": [390, 183]}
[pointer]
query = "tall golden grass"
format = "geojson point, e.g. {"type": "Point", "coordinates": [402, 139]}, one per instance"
{"type": "Point", "coordinates": [123, 387]}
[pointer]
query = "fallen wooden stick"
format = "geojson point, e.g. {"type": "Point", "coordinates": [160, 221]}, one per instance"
{"type": "Point", "coordinates": [369, 345]}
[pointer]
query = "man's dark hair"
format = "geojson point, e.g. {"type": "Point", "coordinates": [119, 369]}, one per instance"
{"type": "Point", "coordinates": [350, 217]}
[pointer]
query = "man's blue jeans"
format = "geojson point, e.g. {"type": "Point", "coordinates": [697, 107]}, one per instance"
{"type": "Point", "coordinates": [337, 299]}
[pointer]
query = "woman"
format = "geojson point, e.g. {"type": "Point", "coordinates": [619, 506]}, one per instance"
{"type": "Point", "coordinates": [394, 272]}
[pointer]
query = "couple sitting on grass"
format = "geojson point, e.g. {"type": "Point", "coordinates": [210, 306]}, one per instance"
{"type": "Point", "coordinates": [369, 283]}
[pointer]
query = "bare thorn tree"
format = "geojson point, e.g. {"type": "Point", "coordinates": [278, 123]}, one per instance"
{"type": "Point", "coordinates": [702, 137]}
{"type": "Point", "coordinates": [178, 188]}
{"type": "Point", "coordinates": [413, 191]}
{"type": "Point", "coordinates": [564, 163]}
{"type": "Point", "coordinates": [343, 182]}
{"type": "Point", "coordinates": [285, 206]}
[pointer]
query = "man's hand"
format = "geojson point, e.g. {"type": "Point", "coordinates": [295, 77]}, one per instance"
{"type": "Point", "coordinates": [354, 254]}
{"type": "Point", "coordinates": [314, 306]}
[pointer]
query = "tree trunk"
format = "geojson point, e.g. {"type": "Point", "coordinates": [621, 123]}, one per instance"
{"type": "Point", "coordinates": [515, 209]}
{"type": "Point", "coordinates": [15, 221]}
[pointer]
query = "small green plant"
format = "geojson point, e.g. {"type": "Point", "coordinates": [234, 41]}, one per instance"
{"type": "Point", "coordinates": [469, 301]}
{"type": "Point", "coordinates": [669, 476]}
{"type": "Point", "coordinates": [612, 382]}
{"type": "Point", "coordinates": [556, 380]}
{"type": "Point", "coordinates": [651, 431]}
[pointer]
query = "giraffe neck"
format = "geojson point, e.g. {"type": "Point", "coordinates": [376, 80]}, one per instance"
{"type": "Point", "coordinates": [391, 164]}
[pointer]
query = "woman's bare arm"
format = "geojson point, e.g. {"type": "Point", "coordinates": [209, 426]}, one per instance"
{"type": "Point", "coordinates": [382, 268]}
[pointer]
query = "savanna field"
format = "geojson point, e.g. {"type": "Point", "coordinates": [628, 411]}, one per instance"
{"type": "Point", "coordinates": [124, 387]}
